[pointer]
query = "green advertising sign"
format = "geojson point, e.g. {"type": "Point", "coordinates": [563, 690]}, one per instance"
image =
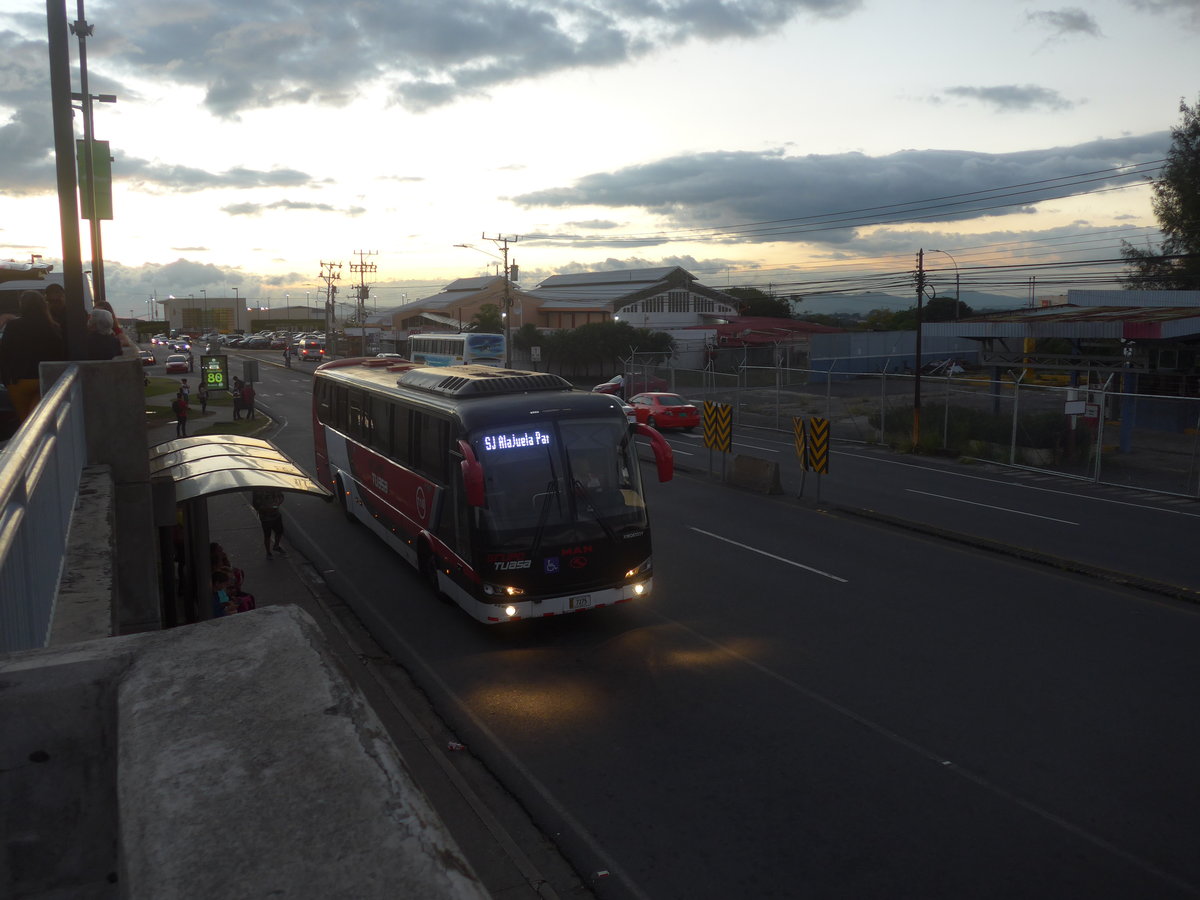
{"type": "Point", "coordinates": [215, 372]}
{"type": "Point", "coordinates": [102, 166]}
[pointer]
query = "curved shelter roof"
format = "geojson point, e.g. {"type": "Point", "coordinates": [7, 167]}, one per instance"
{"type": "Point", "coordinates": [218, 464]}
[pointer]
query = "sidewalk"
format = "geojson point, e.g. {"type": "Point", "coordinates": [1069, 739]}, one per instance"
{"type": "Point", "coordinates": [497, 837]}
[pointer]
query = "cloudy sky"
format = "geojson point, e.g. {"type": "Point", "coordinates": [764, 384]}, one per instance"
{"type": "Point", "coordinates": [796, 144]}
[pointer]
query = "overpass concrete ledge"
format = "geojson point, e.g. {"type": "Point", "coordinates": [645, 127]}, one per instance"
{"type": "Point", "coordinates": [247, 764]}
{"type": "Point", "coordinates": [83, 609]}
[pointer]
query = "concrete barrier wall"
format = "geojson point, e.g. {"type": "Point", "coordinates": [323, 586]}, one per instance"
{"type": "Point", "coordinates": [237, 759]}
{"type": "Point", "coordinates": [755, 474]}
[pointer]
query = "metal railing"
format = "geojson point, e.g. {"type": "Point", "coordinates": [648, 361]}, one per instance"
{"type": "Point", "coordinates": [40, 471]}
{"type": "Point", "coordinates": [1097, 433]}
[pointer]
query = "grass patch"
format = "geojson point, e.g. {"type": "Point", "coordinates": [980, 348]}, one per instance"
{"type": "Point", "coordinates": [217, 420]}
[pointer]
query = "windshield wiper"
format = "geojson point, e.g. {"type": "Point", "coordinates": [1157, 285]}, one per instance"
{"type": "Point", "coordinates": [586, 503]}
{"type": "Point", "coordinates": [552, 490]}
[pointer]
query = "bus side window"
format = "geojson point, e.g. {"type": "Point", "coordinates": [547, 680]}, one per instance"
{"type": "Point", "coordinates": [432, 446]}
{"type": "Point", "coordinates": [452, 524]}
{"type": "Point", "coordinates": [324, 401]}
{"type": "Point", "coordinates": [381, 434]}
{"type": "Point", "coordinates": [337, 403]}
{"type": "Point", "coordinates": [400, 435]}
{"type": "Point", "coordinates": [361, 425]}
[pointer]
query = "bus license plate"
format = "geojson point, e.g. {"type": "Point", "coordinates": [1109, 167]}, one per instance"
{"type": "Point", "coordinates": [580, 602]}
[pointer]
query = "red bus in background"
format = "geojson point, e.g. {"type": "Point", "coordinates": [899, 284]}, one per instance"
{"type": "Point", "coordinates": [514, 494]}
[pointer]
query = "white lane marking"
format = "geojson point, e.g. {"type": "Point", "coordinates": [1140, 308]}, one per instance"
{"type": "Point", "coordinates": [700, 437]}
{"type": "Point", "coordinates": [989, 506]}
{"type": "Point", "coordinates": [1016, 484]}
{"type": "Point", "coordinates": [790, 562]}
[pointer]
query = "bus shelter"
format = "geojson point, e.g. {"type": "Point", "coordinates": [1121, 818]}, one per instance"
{"type": "Point", "coordinates": [184, 473]}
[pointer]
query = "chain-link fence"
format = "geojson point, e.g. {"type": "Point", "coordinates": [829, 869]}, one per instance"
{"type": "Point", "coordinates": [1134, 440]}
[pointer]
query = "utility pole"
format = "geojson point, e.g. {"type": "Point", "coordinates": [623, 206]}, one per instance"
{"type": "Point", "coordinates": [502, 241]}
{"type": "Point", "coordinates": [330, 273]}
{"type": "Point", "coordinates": [917, 375]}
{"type": "Point", "coordinates": [82, 30]}
{"type": "Point", "coordinates": [364, 291]}
{"type": "Point", "coordinates": [64, 161]}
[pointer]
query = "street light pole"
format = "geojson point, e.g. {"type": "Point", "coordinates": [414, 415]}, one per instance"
{"type": "Point", "coordinates": [502, 241]}
{"type": "Point", "coordinates": [956, 281]}
{"type": "Point", "coordinates": [916, 430]}
{"type": "Point", "coordinates": [82, 30]}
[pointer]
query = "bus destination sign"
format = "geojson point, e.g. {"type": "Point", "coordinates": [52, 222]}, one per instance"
{"type": "Point", "coordinates": [516, 441]}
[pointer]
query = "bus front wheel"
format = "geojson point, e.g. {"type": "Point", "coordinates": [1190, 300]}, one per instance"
{"type": "Point", "coordinates": [344, 498]}
{"type": "Point", "coordinates": [429, 570]}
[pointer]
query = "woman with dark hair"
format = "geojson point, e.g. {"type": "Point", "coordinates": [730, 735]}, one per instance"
{"type": "Point", "coordinates": [28, 341]}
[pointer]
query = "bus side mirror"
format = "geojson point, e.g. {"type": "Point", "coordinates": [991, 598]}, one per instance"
{"type": "Point", "coordinates": [472, 473]}
{"type": "Point", "coordinates": [664, 456]}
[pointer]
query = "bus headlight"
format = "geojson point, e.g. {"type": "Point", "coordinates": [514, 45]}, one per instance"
{"type": "Point", "coordinates": [502, 590]}
{"type": "Point", "coordinates": [640, 571]}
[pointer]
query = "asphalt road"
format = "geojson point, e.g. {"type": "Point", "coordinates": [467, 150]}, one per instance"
{"type": "Point", "coordinates": [813, 704]}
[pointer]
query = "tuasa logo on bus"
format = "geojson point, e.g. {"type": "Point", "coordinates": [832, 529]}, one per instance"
{"type": "Point", "coordinates": [512, 564]}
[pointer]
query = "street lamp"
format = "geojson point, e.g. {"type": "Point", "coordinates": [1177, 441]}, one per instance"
{"type": "Point", "coordinates": [956, 281]}
{"type": "Point", "coordinates": [507, 296]}
{"type": "Point", "coordinates": [82, 30]}
{"type": "Point", "coordinates": [205, 293]}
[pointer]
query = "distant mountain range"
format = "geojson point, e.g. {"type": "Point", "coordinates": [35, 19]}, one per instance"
{"type": "Point", "coordinates": [865, 302]}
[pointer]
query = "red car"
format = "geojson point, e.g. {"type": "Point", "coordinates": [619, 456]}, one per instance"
{"type": "Point", "coordinates": [177, 364]}
{"type": "Point", "coordinates": [665, 411]}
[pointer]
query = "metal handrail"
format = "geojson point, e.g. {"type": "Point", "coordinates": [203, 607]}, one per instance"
{"type": "Point", "coordinates": [40, 472]}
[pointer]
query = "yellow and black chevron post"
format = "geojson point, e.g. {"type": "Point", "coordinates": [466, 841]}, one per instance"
{"type": "Point", "coordinates": [718, 426]}
{"type": "Point", "coordinates": [801, 441]}
{"type": "Point", "coordinates": [818, 445]}
{"type": "Point", "coordinates": [718, 432]}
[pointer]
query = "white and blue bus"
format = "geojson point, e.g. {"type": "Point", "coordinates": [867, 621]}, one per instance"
{"type": "Point", "coordinates": [461, 349]}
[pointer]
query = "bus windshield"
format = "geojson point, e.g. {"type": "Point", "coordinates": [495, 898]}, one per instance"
{"type": "Point", "coordinates": [562, 481]}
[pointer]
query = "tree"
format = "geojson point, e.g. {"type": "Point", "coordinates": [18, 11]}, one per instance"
{"type": "Point", "coordinates": [526, 336]}
{"type": "Point", "coordinates": [488, 320]}
{"type": "Point", "coordinates": [1175, 266]}
{"type": "Point", "coordinates": [754, 302]}
{"type": "Point", "coordinates": [602, 346]}
{"type": "Point", "coordinates": [945, 309]}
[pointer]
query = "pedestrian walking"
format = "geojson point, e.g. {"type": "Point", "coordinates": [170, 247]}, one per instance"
{"type": "Point", "coordinates": [202, 396]}
{"type": "Point", "coordinates": [266, 503]}
{"type": "Point", "coordinates": [236, 393]}
{"type": "Point", "coordinates": [179, 406]}
{"type": "Point", "coordinates": [185, 388]}
{"type": "Point", "coordinates": [248, 399]}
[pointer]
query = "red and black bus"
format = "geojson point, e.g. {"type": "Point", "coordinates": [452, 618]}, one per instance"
{"type": "Point", "coordinates": [514, 494]}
